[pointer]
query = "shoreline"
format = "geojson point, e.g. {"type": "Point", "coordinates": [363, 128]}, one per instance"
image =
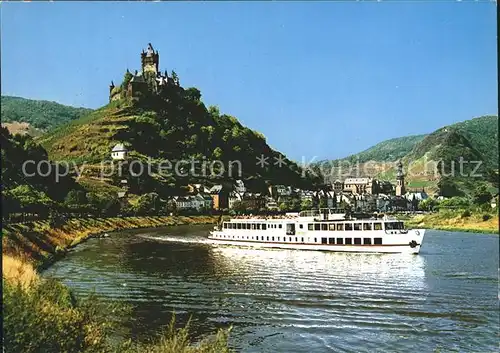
{"type": "Point", "coordinates": [454, 223]}
{"type": "Point", "coordinates": [41, 245]}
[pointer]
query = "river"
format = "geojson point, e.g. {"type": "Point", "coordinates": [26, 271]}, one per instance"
{"type": "Point", "coordinates": [444, 299]}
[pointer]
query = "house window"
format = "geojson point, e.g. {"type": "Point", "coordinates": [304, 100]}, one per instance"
{"type": "Point", "coordinates": [357, 241]}
{"type": "Point", "coordinates": [377, 241]}
{"type": "Point", "coordinates": [367, 226]}
{"type": "Point", "coordinates": [323, 241]}
{"type": "Point", "coordinates": [348, 241]}
{"type": "Point", "coordinates": [357, 226]}
{"type": "Point", "coordinates": [367, 241]}
{"type": "Point", "coordinates": [317, 226]}
{"type": "Point", "coordinates": [340, 226]}
{"type": "Point", "coordinates": [310, 226]}
{"type": "Point", "coordinates": [324, 226]}
{"type": "Point", "coordinates": [348, 226]}
{"type": "Point", "coordinates": [340, 241]}
{"type": "Point", "coordinates": [331, 240]}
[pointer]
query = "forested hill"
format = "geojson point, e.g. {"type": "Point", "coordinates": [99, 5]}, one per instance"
{"type": "Point", "coordinates": [40, 114]}
{"type": "Point", "coordinates": [173, 126]}
{"type": "Point", "coordinates": [482, 132]}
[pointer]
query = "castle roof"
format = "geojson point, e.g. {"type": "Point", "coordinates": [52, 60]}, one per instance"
{"type": "Point", "coordinates": [119, 148]}
{"type": "Point", "coordinates": [138, 79]}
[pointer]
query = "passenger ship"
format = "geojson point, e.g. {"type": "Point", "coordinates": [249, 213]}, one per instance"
{"type": "Point", "coordinates": [324, 229]}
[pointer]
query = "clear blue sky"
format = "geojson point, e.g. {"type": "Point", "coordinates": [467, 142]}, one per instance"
{"type": "Point", "coordinates": [318, 79]}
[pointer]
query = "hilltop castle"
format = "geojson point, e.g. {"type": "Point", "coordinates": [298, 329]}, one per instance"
{"type": "Point", "coordinates": [146, 82]}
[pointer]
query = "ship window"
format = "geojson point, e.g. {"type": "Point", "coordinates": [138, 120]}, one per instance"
{"type": "Point", "coordinates": [324, 226]}
{"type": "Point", "coordinates": [357, 241]}
{"type": "Point", "coordinates": [284, 238]}
{"type": "Point", "coordinates": [310, 226]}
{"type": "Point", "coordinates": [367, 226]}
{"type": "Point", "coordinates": [279, 226]}
{"type": "Point", "coordinates": [394, 225]}
{"type": "Point", "coordinates": [340, 241]}
{"type": "Point", "coordinates": [258, 225]}
{"type": "Point", "coordinates": [357, 226]}
{"type": "Point", "coordinates": [302, 239]}
{"type": "Point", "coordinates": [253, 226]}
{"type": "Point", "coordinates": [267, 238]}
{"type": "Point", "coordinates": [377, 226]}
{"type": "Point", "coordinates": [348, 226]}
{"type": "Point", "coordinates": [331, 240]}
{"type": "Point", "coordinates": [264, 226]}
{"type": "Point", "coordinates": [278, 238]}
{"type": "Point", "coordinates": [315, 240]}
{"type": "Point", "coordinates": [317, 226]}
{"type": "Point", "coordinates": [377, 241]}
{"type": "Point", "coordinates": [249, 226]}
{"type": "Point", "coordinates": [340, 226]}
{"type": "Point", "coordinates": [272, 238]}
{"type": "Point", "coordinates": [323, 240]}
{"type": "Point", "coordinates": [301, 226]}
{"type": "Point", "coordinates": [296, 239]}
{"type": "Point", "coordinates": [225, 225]}
{"type": "Point", "coordinates": [290, 229]}
{"type": "Point", "coordinates": [290, 238]}
{"type": "Point", "coordinates": [367, 241]}
{"type": "Point", "coordinates": [238, 225]}
{"type": "Point", "coordinates": [348, 240]}
{"type": "Point", "coordinates": [332, 226]}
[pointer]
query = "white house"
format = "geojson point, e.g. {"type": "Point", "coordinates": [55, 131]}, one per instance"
{"type": "Point", "coordinates": [119, 152]}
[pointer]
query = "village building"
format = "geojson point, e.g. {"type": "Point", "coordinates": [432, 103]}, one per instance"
{"type": "Point", "coordinates": [360, 185]}
{"type": "Point", "coordinates": [119, 152]}
{"type": "Point", "coordinates": [400, 180]}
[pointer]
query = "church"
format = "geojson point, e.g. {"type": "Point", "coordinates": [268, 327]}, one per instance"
{"type": "Point", "coordinates": [149, 81]}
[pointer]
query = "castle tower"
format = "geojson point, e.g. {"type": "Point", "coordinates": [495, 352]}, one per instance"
{"type": "Point", "coordinates": [400, 180]}
{"type": "Point", "coordinates": [150, 60]}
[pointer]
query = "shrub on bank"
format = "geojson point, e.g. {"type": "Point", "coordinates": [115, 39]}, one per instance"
{"type": "Point", "coordinates": [46, 317]}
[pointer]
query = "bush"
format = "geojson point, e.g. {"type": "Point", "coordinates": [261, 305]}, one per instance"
{"type": "Point", "coordinates": [486, 217]}
{"type": "Point", "coordinates": [466, 214]}
{"type": "Point", "coordinates": [46, 317]}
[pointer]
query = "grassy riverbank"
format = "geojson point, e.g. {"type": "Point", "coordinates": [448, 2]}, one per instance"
{"type": "Point", "coordinates": [43, 315]}
{"type": "Point", "coordinates": [39, 243]}
{"type": "Point", "coordinates": [457, 221]}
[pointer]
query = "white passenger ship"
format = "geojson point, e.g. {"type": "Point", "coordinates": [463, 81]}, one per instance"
{"type": "Point", "coordinates": [324, 229]}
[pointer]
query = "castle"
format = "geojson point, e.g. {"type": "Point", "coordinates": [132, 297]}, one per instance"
{"type": "Point", "coordinates": [149, 81]}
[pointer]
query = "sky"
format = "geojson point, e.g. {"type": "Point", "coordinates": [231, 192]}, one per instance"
{"type": "Point", "coordinates": [319, 79]}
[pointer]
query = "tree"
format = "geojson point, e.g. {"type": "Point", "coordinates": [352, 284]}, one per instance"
{"type": "Point", "coordinates": [126, 79]}
{"type": "Point", "coordinates": [75, 199]}
{"type": "Point", "coordinates": [283, 207]}
{"type": "Point", "coordinates": [482, 195]}
{"type": "Point", "coordinates": [306, 204]}
{"type": "Point", "coordinates": [323, 202]}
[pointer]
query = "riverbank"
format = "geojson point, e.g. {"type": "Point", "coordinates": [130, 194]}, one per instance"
{"type": "Point", "coordinates": [455, 221]}
{"type": "Point", "coordinates": [40, 244]}
{"type": "Point", "coordinates": [43, 315]}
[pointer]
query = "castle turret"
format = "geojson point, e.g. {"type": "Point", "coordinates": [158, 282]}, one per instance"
{"type": "Point", "coordinates": [150, 60]}
{"type": "Point", "coordinates": [400, 180]}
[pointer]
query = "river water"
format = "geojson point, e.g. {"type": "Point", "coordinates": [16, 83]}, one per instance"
{"type": "Point", "coordinates": [444, 299]}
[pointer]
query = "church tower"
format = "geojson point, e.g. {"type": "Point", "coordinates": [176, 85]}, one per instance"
{"type": "Point", "coordinates": [400, 180]}
{"type": "Point", "coordinates": [150, 60]}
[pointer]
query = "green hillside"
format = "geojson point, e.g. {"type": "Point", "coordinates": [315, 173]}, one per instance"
{"type": "Point", "coordinates": [174, 126]}
{"type": "Point", "coordinates": [40, 114]}
{"type": "Point", "coordinates": [387, 151]}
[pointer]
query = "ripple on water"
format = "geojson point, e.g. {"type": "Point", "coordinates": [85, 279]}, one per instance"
{"type": "Point", "coordinates": [299, 301]}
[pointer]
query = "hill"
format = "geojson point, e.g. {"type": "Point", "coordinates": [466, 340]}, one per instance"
{"type": "Point", "coordinates": [432, 161]}
{"type": "Point", "coordinates": [387, 151]}
{"type": "Point", "coordinates": [39, 114]}
{"type": "Point", "coordinates": [174, 126]}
